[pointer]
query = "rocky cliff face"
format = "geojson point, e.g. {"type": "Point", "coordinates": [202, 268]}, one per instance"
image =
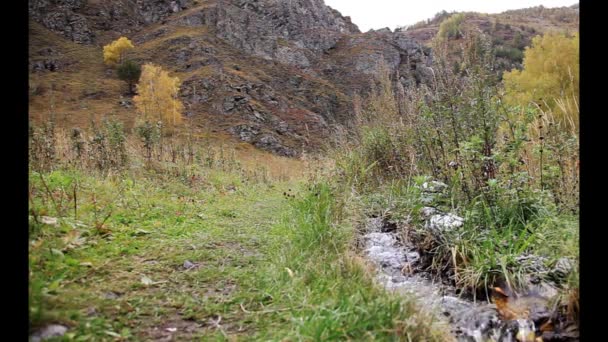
{"type": "Point", "coordinates": [274, 73]}
{"type": "Point", "coordinates": [78, 20]}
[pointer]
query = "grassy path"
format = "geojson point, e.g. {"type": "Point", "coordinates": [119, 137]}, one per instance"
{"type": "Point", "coordinates": [216, 259]}
{"type": "Point", "coordinates": [133, 282]}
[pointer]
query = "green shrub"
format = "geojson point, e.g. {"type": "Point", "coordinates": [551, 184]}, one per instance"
{"type": "Point", "coordinates": [129, 72]}
{"type": "Point", "coordinates": [510, 53]}
{"type": "Point", "coordinates": [451, 27]}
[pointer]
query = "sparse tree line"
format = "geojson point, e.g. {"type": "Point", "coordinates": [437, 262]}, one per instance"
{"type": "Point", "coordinates": [156, 98]}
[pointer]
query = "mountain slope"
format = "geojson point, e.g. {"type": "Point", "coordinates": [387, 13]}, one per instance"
{"type": "Point", "coordinates": [276, 74]}
{"type": "Point", "coordinates": [510, 31]}
{"type": "Point", "coordinates": [273, 73]}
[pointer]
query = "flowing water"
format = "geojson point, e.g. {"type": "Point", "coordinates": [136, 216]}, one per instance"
{"type": "Point", "coordinates": [396, 263]}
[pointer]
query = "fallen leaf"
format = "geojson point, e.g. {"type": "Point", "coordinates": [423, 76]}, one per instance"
{"type": "Point", "coordinates": [289, 271]}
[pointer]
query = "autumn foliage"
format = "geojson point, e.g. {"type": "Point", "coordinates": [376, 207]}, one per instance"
{"type": "Point", "coordinates": [113, 53]}
{"type": "Point", "coordinates": [157, 98]}
{"type": "Point", "coordinates": [550, 73]}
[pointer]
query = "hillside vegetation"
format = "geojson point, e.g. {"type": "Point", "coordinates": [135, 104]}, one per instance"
{"type": "Point", "coordinates": [189, 182]}
{"type": "Point", "coordinates": [510, 32]}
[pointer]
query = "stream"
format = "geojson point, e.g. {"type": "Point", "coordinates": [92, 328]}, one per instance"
{"type": "Point", "coordinates": [397, 264]}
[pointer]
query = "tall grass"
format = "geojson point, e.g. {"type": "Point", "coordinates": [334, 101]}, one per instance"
{"type": "Point", "coordinates": [330, 290]}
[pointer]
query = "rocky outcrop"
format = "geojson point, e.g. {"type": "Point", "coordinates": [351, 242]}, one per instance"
{"type": "Point", "coordinates": [285, 67]}
{"type": "Point", "coordinates": [61, 16]}
{"type": "Point", "coordinates": [265, 141]}
{"type": "Point", "coordinates": [77, 19]}
{"type": "Point", "coordinates": [151, 11]}
{"type": "Point", "coordinates": [292, 32]}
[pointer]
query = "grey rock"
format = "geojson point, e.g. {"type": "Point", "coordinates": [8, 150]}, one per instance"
{"type": "Point", "coordinates": [412, 257]}
{"type": "Point", "coordinates": [562, 268]}
{"type": "Point", "coordinates": [532, 264]}
{"type": "Point", "coordinates": [111, 295]}
{"type": "Point", "coordinates": [427, 212]}
{"type": "Point", "coordinates": [71, 25]}
{"type": "Point", "coordinates": [49, 331]}
{"type": "Point", "coordinates": [91, 311]}
{"type": "Point", "coordinates": [76, 19]}
{"type": "Point", "coordinates": [443, 223]}
{"type": "Point", "coordinates": [234, 102]}
{"type": "Point", "coordinates": [434, 186]}
{"type": "Point", "coordinates": [274, 29]}
{"type": "Point", "coordinates": [228, 104]}
{"type": "Point", "coordinates": [271, 143]}
{"type": "Point", "coordinates": [245, 132]}
{"type": "Point", "coordinates": [544, 289]}
{"type": "Point", "coordinates": [282, 127]}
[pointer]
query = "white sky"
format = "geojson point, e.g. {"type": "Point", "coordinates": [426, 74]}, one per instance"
{"type": "Point", "coordinates": [378, 14]}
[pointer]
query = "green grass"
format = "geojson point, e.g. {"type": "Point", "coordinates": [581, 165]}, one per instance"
{"type": "Point", "coordinates": [327, 288]}
{"type": "Point", "coordinates": [268, 266]}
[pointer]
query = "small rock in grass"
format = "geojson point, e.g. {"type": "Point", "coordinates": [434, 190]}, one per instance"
{"type": "Point", "coordinates": [52, 221]}
{"type": "Point", "coordinates": [188, 264]}
{"type": "Point", "coordinates": [111, 295]}
{"type": "Point", "coordinates": [91, 311]}
{"type": "Point", "coordinates": [434, 186]}
{"type": "Point", "coordinates": [442, 223]}
{"type": "Point", "coordinates": [52, 330]}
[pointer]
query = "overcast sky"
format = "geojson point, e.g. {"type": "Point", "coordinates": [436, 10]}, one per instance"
{"type": "Point", "coordinates": [377, 14]}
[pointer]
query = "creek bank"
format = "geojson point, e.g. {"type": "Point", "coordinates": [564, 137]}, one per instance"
{"type": "Point", "coordinates": [402, 267]}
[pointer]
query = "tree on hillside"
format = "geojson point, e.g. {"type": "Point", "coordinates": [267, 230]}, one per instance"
{"type": "Point", "coordinates": [129, 72]}
{"type": "Point", "coordinates": [451, 27]}
{"type": "Point", "coordinates": [113, 53]}
{"type": "Point", "coordinates": [157, 98]}
{"type": "Point", "coordinates": [550, 74]}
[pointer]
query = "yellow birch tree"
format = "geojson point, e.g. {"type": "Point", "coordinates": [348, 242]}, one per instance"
{"type": "Point", "coordinates": [113, 53]}
{"type": "Point", "coordinates": [550, 73]}
{"type": "Point", "coordinates": [157, 98]}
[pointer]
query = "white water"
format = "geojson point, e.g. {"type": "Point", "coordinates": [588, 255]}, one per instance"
{"type": "Point", "coordinates": [396, 265]}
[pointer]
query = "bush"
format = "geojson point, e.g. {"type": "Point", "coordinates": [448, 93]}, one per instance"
{"type": "Point", "coordinates": [451, 27]}
{"type": "Point", "coordinates": [513, 54]}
